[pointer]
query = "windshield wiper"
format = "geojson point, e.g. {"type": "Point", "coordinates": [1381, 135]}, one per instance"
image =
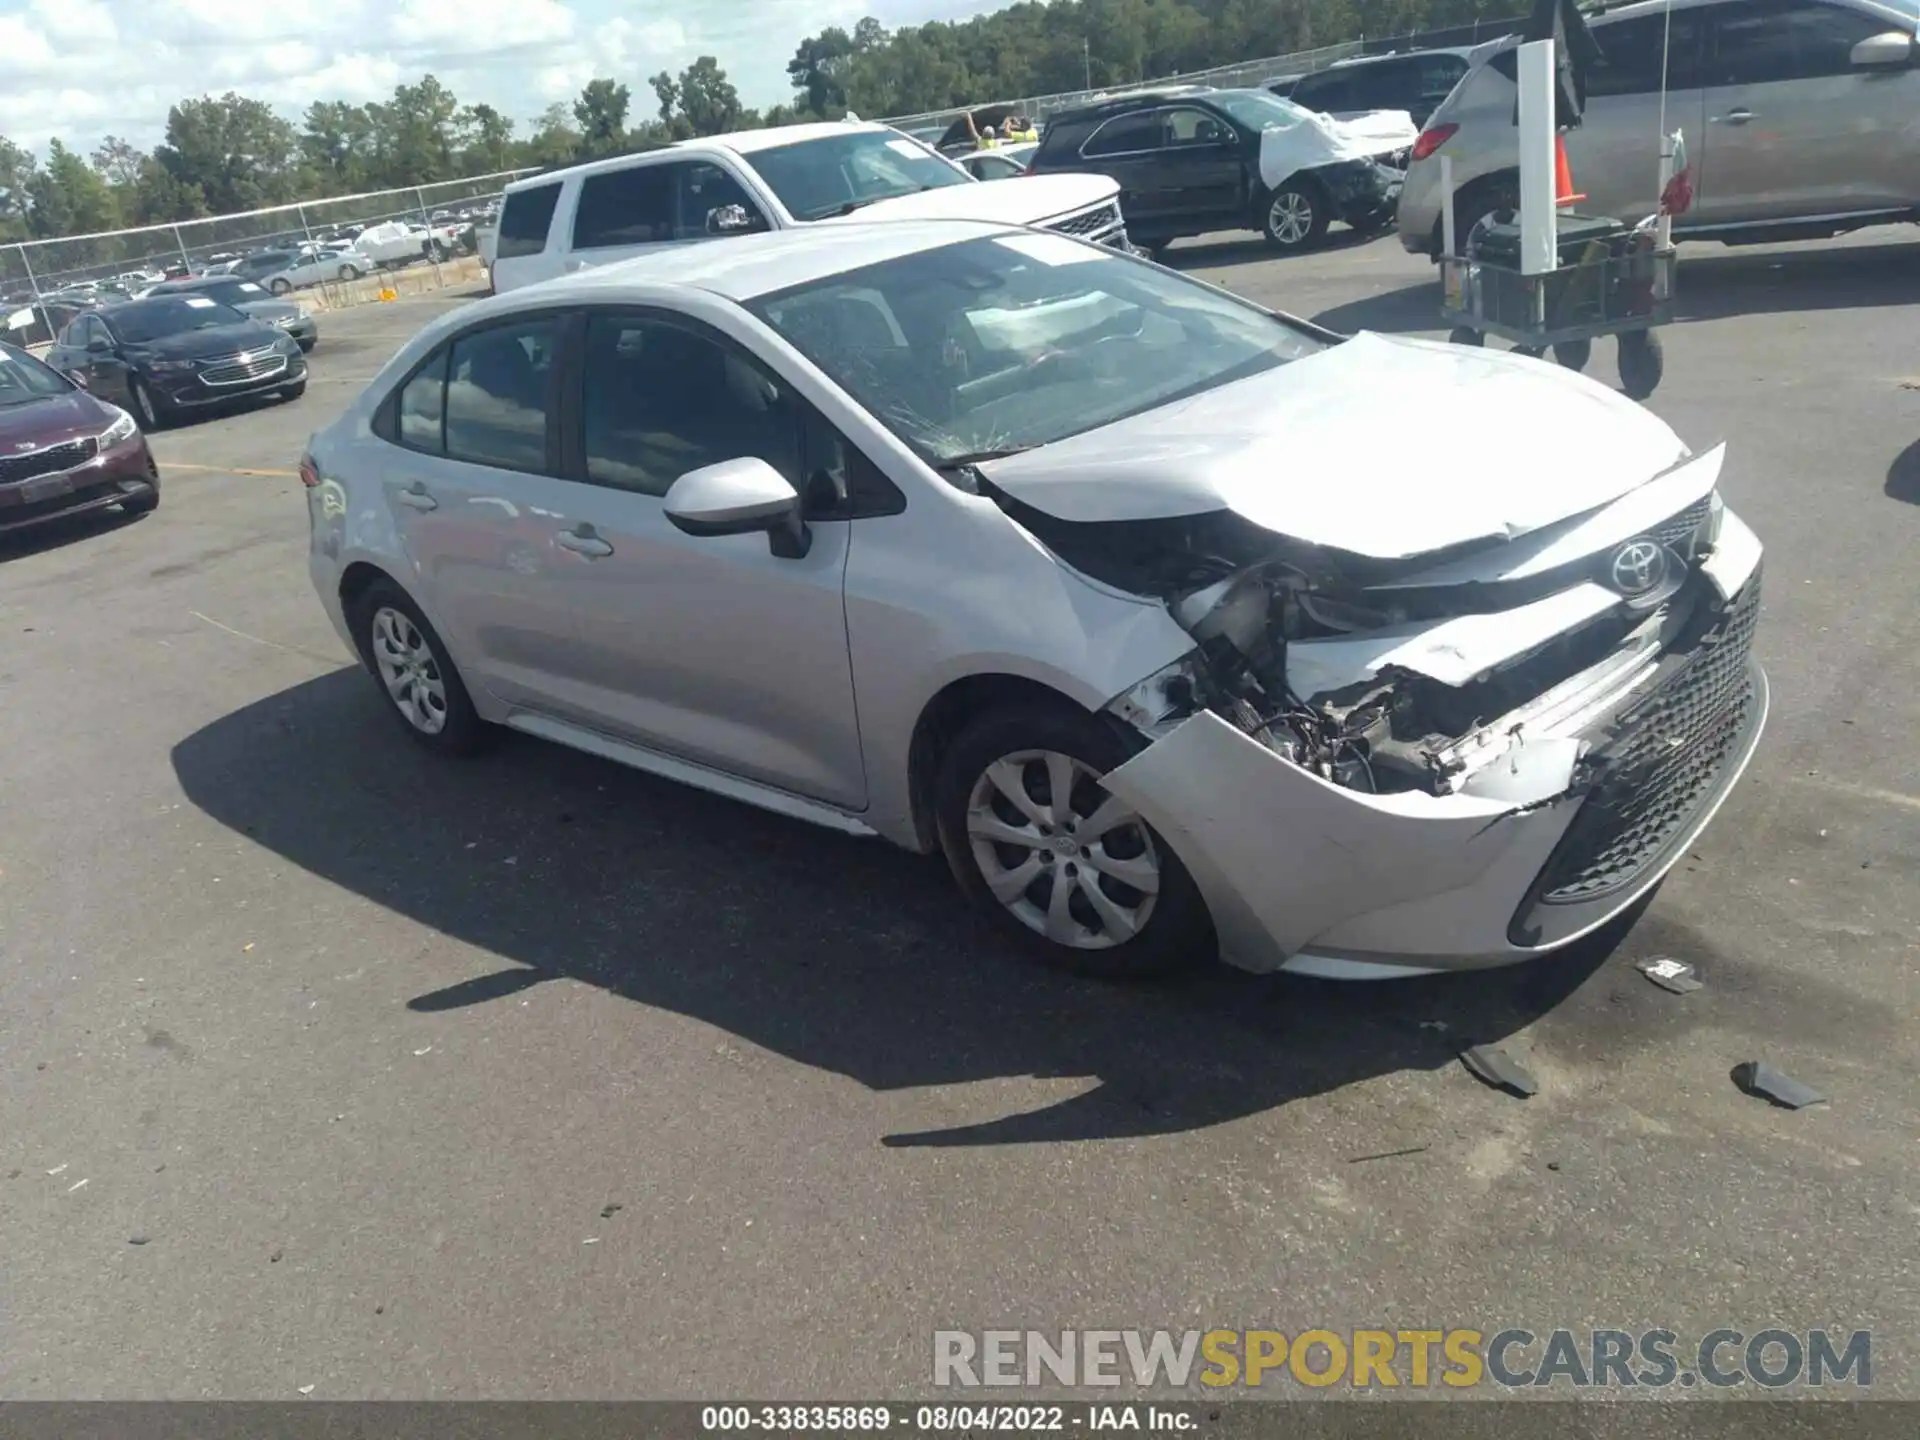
{"type": "Point", "coordinates": [981, 457]}
{"type": "Point", "coordinates": [853, 205]}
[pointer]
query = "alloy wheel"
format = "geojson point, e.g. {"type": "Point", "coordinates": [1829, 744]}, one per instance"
{"type": "Point", "coordinates": [410, 670]}
{"type": "Point", "coordinates": [1066, 859]}
{"type": "Point", "coordinates": [143, 406]}
{"type": "Point", "coordinates": [1290, 218]}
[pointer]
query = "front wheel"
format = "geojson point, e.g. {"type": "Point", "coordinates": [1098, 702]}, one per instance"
{"type": "Point", "coordinates": [1296, 216]}
{"type": "Point", "coordinates": [280, 287]}
{"type": "Point", "coordinates": [1064, 869]}
{"type": "Point", "coordinates": [145, 411]}
{"type": "Point", "coordinates": [348, 273]}
{"type": "Point", "coordinates": [412, 665]}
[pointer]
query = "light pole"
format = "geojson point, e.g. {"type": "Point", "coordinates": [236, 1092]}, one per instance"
{"type": "Point", "coordinates": [1086, 59]}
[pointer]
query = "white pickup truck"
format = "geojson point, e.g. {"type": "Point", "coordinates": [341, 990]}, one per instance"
{"type": "Point", "coordinates": [793, 175]}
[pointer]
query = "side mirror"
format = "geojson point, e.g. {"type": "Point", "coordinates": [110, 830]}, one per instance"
{"type": "Point", "coordinates": [1889, 50]}
{"type": "Point", "coordinates": [740, 497]}
{"type": "Point", "coordinates": [730, 220]}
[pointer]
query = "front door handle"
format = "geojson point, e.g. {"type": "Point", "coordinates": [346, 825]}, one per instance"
{"type": "Point", "coordinates": [1736, 117]}
{"type": "Point", "coordinates": [417, 498]}
{"type": "Point", "coordinates": [583, 542]}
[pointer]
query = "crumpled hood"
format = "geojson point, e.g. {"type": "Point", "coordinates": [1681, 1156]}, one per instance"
{"type": "Point", "coordinates": [1031, 200]}
{"type": "Point", "coordinates": [1382, 447]}
{"type": "Point", "coordinates": [1321, 140]}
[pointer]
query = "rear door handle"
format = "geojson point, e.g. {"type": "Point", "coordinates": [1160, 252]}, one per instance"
{"type": "Point", "coordinates": [416, 499]}
{"type": "Point", "coordinates": [1736, 117]}
{"type": "Point", "coordinates": [587, 543]}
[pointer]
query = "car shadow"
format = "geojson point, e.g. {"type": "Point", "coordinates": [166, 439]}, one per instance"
{"type": "Point", "coordinates": [1713, 284]}
{"type": "Point", "coordinates": [18, 544]}
{"type": "Point", "coordinates": [845, 954]}
{"type": "Point", "coordinates": [1903, 476]}
{"type": "Point", "coordinates": [1238, 247]}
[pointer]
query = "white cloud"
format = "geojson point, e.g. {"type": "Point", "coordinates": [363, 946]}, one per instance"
{"type": "Point", "coordinates": [517, 55]}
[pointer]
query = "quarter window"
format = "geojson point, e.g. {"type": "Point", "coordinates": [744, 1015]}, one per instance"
{"type": "Point", "coordinates": [496, 395]}
{"type": "Point", "coordinates": [524, 221]}
{"type": "Point", "coordinates": [422, 407]}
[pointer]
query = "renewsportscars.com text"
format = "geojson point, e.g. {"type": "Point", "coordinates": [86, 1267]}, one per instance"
{"type": "Point", "coordinates": [1513, 1358]}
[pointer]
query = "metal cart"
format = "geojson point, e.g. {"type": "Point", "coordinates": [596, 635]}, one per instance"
{"type": "Point", "coordinates": [1619, 285]}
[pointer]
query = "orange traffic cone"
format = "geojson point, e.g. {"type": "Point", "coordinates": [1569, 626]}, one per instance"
{"type": "Point", "coordinates": [1563, 175]}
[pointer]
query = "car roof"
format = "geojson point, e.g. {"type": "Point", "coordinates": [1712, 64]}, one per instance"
{"type": "Point", "coordinates": [1124, 100]}
{"type": "Point", "coordinates": [737, 142]}
{"type": "Point", "coordinates": [1359, 62]}
{"type": "Point", "coordinates": [748, 266]}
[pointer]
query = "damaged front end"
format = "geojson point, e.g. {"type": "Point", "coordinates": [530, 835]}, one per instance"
{"type": "Point", "coordinates": [1482, 754]}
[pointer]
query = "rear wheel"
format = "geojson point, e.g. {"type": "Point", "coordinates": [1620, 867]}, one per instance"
{"type": "Point", "coordinates": [280, 287]}
{"type": "Point", "coordinates": [413, 668]}
{"type": "Point", "coordinates": [1574, 354]}
{"type": "Point", "coordinates": [1295, 216]}
{"type": "Point", "coordinates": [1485, 199]}
{"type": "Point", "coordinates": [349, 272]}
{"type": "Point", "coordinates": [1064, 869]}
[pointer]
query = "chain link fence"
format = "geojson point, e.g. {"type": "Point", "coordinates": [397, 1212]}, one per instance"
{"type": "Point", "coordinates": [325, 253]}
{"type": "Point", "coordinates": [1241, 73]}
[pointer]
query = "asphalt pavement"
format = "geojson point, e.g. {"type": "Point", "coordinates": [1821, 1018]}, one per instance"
{"type": "Point", "coordinates": [324, 1063]}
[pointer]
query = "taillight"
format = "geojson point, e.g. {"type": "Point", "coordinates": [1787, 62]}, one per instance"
{"type": "Point", "coordinates": [1432, 139]}
{"type": "Point", "coordinates": [309, 472]}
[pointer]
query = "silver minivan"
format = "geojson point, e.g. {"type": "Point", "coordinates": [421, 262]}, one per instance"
{"type": "Point", "coordinates": [1799, 118]}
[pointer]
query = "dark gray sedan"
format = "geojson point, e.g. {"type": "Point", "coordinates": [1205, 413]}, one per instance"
{"type": "Point", "coordinates": [252, 300]}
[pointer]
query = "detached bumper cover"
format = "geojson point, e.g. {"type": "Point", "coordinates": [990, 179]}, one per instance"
{"type": "Point", "coordinates": [1304, 874]}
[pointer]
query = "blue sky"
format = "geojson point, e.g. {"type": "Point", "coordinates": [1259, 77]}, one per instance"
{"type": "Point", "coordinates": [81, 69]}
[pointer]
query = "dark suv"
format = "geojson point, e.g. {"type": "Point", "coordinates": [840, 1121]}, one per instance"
{"type": "Point", "coordinates": [1191, 162]}
{"type": "Point", "coordinates": [1415, 82]}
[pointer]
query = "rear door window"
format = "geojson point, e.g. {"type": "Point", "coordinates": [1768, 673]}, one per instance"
{"type": "Point", "coordinates": [1632, 52]}
{"type": "Point", "coordinates": [634, 206]}
{"type": "Point", "coordinates": [498, 383]}
{"type": "Point", "coordinates": [1126, 135]}
{"type": "Point", "coordinates": [524, 221]}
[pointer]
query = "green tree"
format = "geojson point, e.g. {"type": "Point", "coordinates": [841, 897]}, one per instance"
{"type": "Point", "coordinates": [601, 112]}
{"type": "Point", "coordinates": [709, 104]}
{"type": "Point", "coordinates": [486, 140]}
{"type": "Point", "coordinates": [70, 198]}
{"type": "Point", "coordinates": [554, 140]}
{"type": "Point", "coordinates": [336, 142]}
{"type": "Point", "coordinates": [818, 72]}
{"type": "Point", "coordinates": [414, 133]}
{"type": "Point", "coordinates": [17, 169]}
{"type": "Point", "coordinates": [234, 150]}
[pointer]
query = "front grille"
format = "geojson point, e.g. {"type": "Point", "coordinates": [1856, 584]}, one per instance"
{"type": "Point", "coordinates": [249, 365]}
{"type": "Point", "coordinates": [1673, 745]}
{"type": "Point", "coordinates": [1675, 533]}
{"type": "Point", "coordinates": [49, 460]}
{"type": "Point", "coordinates": [1089, 222]}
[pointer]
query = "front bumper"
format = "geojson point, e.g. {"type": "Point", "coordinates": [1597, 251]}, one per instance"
{"type": "Point", "coordinates": [124, 471]}
{"type": "Point", "coordinates": [1364, 192]}
{"type": "Point", "coordinates": [182, 389]}
{"type": "Point", "coordinates": [1305, 875]}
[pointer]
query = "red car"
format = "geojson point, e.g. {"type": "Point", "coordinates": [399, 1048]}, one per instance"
{"type": "Point", "coordinates": [63, 451]}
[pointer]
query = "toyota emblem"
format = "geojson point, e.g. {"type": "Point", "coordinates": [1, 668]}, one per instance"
{"type": "Point", "coordinates": [1637, 567]}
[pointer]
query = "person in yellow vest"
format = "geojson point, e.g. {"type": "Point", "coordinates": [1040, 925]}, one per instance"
{"type": "Point", "coordinates": [987, 140]}
{"type": "Point", "coordinates": [1018, 128]}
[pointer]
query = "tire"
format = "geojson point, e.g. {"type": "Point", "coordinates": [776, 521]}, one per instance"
{"type": "Point", "coordinates": [348, 273]}
{"type": "Point", "coordinates": [295, 390]}
{"type": "Point", "coordinates": [1642, 362]}
{"type": "Point", "coordinates": [146, 412]}
{"type": "Point", "coordinates": [1465, 335]}
{"type": "Point", "coordinates": [143, 504]}
{"type": "Point", "coordinates": [1022, 751]}
{"type": "Point", "coordinates": [306, 346]}
{"type": "Point", "coordinates": [1157, 251]}
{"type": "Point", "coordinates": [1295, 216]}
{"type": "Point", "coordinates": [280, 287]}
{"type": "Point", "coordinates": [1489, 195]}
{"type": "Point", "coordinates": [416, 676]}
{"type": "Point", "coordinates": [1574, 354]}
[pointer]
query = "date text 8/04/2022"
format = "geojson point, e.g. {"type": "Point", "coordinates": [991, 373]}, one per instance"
{"type": "Point", "coordinates": [1770, 1357]}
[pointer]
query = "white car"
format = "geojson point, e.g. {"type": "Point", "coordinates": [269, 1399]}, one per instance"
{"type": "Point", "coordinates": [1105, 605]}
{"type": "Point", "coordinates": [775, 179]}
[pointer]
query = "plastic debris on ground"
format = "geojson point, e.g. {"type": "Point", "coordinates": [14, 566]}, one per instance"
{"type": "Point", "coordinates": [1670, 974]}
{"type": "Point", "coordinates": [1763, 1082]}
{"type": "Point", "coordinates": [1491, 1065]}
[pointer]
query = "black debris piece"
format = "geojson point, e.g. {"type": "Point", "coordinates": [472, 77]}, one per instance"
{"type": "Point", "coordinates": [1389, 1154]}
{"type": "Point", "coordinates": [137, 1239]}
{"type": "Point", "coordinates": [1493, 1066]}
{"type": "Point", "coordinates": [1670, 974]}
{"type": "Point", "coordinates": [1756, 1078]}
{"type": "Point", "coordinates": [274, 1259]}
{"type": "Point", "coordinates": [607, 1211]}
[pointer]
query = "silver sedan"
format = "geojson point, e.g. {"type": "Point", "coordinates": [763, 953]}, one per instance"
{"type": "Point", "coordinates": [1099, 581]}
